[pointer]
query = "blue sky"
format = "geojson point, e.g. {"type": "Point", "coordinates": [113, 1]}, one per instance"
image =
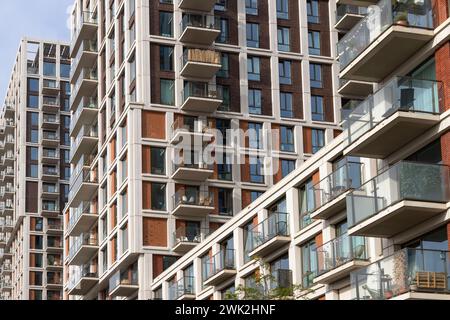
{"type": "Point", "coordinates": [42, 19]}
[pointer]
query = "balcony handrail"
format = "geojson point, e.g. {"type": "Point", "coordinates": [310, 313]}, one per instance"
{"type": "Point", "coordinates": [196, 198]}
{"type": "Point", "coordinates": [222, 260]}
{"type": "Point", "coordinates": [381, 17]}
{"type": "Point", "coordinates": [86, 17]}
{"type": "Point", "coordinates": [204, 21]}
{"type": "Point", "coordinates": [185, 285]}
{"type": "Point", "coordinates": [277, 224]}
{"type": "Point", "coordinates": [345, 9]}
{"type": "Point", "coordinates": [51, 101]}
{"type": "Point", "coordinates": [407, 180]}
{"type": "Point", "coordinates": [205, 90]}
{"type": "Point", "coordinates": [122, 278]}
{"type": "Point", "coordinates": [406, 94]}
{"type": "Point", "coordinates": [195, 235]}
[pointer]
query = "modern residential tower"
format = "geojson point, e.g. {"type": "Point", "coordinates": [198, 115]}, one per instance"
{"type": "Point", "coordinates": [153, 78]}
{"type": "Point", "coordinates": [35, 172]}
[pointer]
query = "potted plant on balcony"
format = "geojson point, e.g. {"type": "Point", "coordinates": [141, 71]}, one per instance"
{"type": "Point", "coordinates": [401, 18]}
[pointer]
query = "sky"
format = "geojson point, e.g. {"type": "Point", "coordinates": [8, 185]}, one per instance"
{"type": "Point", "coordinates": [41, 19]}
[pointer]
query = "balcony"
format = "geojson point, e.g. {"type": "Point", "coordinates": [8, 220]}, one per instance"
{"type": "Point", "coordinates": [85, 112]}
{"type": "Point", "coordinates": [50, 209]}
{"type": "Point", "coordinates": [54, 281]}
{"type": "Point", "coordinates": [198, 63]}
{"type": "Point", "coordinates": [86, 29]}
{"type": "Point", "coordinates": [83, 248]}
{"type": "Point", "coordinates": [54, 244]}
{"type": "Point", "coordinates": [269, 235]}
{"type": "Point", "coordinates": [54, 261]}
{"type": "Point", "coordinates": [408, 274]}
{"type": "Point", "coordinates": [123, 284]}
{"type": "Point", "coordinates": [330, 193]}
{"type": "Point", "coordinates": [190, 133]}
{"type": "Point", "coordinates": [398, 113]}
{"type": "Point", "coordinates": [9, 110]}
{"type": "Point", "coordinates": [81, 219]}
{"type": "Point", "coordinates": [86, 57]}
{"type": "Point", "coordinates": [85, 86]}
{"type": "Point", "coordinates": [50, 87]}
{"type": "Point", "coordinates": [51, 104]}
{"type": "Point", "coordinates": [186, 238]}
{"type": "Point", "coordinates": [50, 173]}
{"type": "Point", "coordinates": [192, 203]}
{"type": "Point", "coordinates": [83, 281]}
{"type": "Point", "coordinates": [347, 16]}
{"type": "Point", "coordinates": [9, 126]}
{"type": "Point", "coordinates": [219, 268]}
{"type": "Point", "coordinates": [55, 227]}
{"type": "Point", "coordinates": [50, 139]}
{"type": "Point", "coordinates": [397, 199]}
{"type": "Point", "coordinates": [204, 5]}
{"type": "Point", "coordinates": [83, 187]}
{"type": "Point", "coordinates": [337, 258]}
{"type": "Point", "coordinates": [199, 29]}
{"type": "Point", "coordinates": [50, 121]}
{"type": "Point", "coordinates": [366, 51]}
{"type": "Point", "coordinates": [355, 88]}
{"type": "Point", "coordinates": [85, 141]}
{"type": "Point", "coordinates": [50, 156]}
{"type": "Point", "coordinates": [201, 97]}
{"type": "Point", "coordinates": [183, 289]}
{"type": "Point", "coordinates": [192, 171]}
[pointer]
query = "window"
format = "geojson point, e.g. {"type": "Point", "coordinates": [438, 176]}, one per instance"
{"type": "Point", "coordinates": [224, 31]}
{"type": "Point", "coordinates": [256, 170]}
{"type": "Point", "coordinates": [224, 169]}
{"type": "Point", "coordinates": [132, 68]}
{"type": "Point", "coordinates": [158, 161]}
{"type": "Point", "coordinates": [224, 71]}
{"type": "Point", "coordinates": [168, 261]}
{"type": "Point", "coordinates": [158, 196]}
{"type": "Point", "coordinates": [167, 92]}
{"type": "Point", "coordinates": [166, 58]}
{"type": "Point", "coordinates": [287, 166]}
{"type": "Point", "coordinates": [255, 135]}
{"type": "Point", "coordinates": [286, 107]}
{"type": "Point", "coordinates": [64, 70]}
{"type": "Point", "coordinates": [124, 232]}
{"type": "Point", "coordinates": [312, 8]}
{"type": "Point", "coordinates": [309, 263]}
{"type": "Point", "coordinates": [283, 9]}
{"type": "Point", "coordinates": [317, 111]}
{"type": "Point", "coordinates": [49, 69]}
{"type": "Point", "coordinates": [222, 126]}
{"type": "Point", "coordinates": [248, 238]}
{"type": "Point", "coordinates": [287, 139]}
{"type": "Point", "coordinates": [284, 67]}
{"type": "Point", "coordinates": [318, 140]}
{"type": "Point", "coordinates": [38, 261]}
{"type": "Point", "coordinates": [33, 85]}
{"type": "Point", "coordinates": [255, 195]}
{"type": "Point", "coordinates": [165, 24]}
{"type": "Point", "coordinates": [253, 68]}
{"type": "Point", "coordinates": [225, 202]}
{"type": "Point", "coordinates": [225, 93]}
{"type": "Point", "coordinates": [284, 39]}
{"type": "Point", "coordinates": [315, 74]}
{"type": "Point", "coordinates": [253, 35]}
{"type": "Point", "coordinates": [221, 5]}
{"type": "Point", "coordinates": [254, 101]}
{"type": "Point", "coordinates": [314, 42]}
{"type": "Point", "coordinates": [251, 7]}
{"type": "Point", "coordinates": [33, 101]}
{"type": "Point", "coordinates": [34, 136]}
{"type": "Point", "coordinates": [33, 171]}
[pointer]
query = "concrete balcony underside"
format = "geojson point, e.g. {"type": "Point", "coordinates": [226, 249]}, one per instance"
{"type": "Point", "coordinates": [192, 174]}
{"type": "Point", "coordinates": [184, 246]}
{"type": "Point", "coordinates": [199, 35]}
{"type": "Point", "coordinates": [270, 246]}
{"type": "Point", "coordinates": [190, 210]}
{"type": "Point", "coordinates": [85, 146]}
{"type": "Point", "coordinates": [201, 70]}
{"type": "Point", "coordinates": [83, 224]}
{"type": "Point", "coordinates": [340, 272]}
{"type": "Point", "coordinates": [422, 296]}
{"type": "Point", "coordinates": [85, 118]}
{"type": "Point", "coordinates": [397, 218]}
{"type": "Point", "coordinates": [364, 3]}
{"type": "Point", "coordinates": [354, 88]}
{"type": "Point", "coordinates": [87, 32]}
{"type": "Point", "coordinates": [84, 193]}
{"type": "Point", "coordinates": [83, 255]}
{"type": "Point", "coordinates": [186, 296]}
{"type": "Point", "coordinates": [220, 277]}
{"type": "Point", "coordinates": [84, 285]}
{"type": "Point", "coordinates": [391, 134]}
{"type": "Point", "coordinates": [124, 290]}
{"type": "Point", "coordinates": [87, 60]}
{"type": "Point", "coordinates": [348, 21]}
{"type": "Point", "coordinates": [331, 208]}
{"type": "Point", "coordinates": [203, 5]}
{"type": "Point", "coordinates": [198, 104]}
{"type": "Point", "coordinates": [386, 53]}
{"type": "Point", "coordinates": [87, 89]}
{"type": "Point", "coordinates": [182, 135]}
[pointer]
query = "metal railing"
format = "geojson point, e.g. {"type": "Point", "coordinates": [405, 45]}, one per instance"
{"type": "Point", "coordinates": [403, 181]}
{"type": "Point", "coordinates": [201, 90]}
{"type": "Point", "coordinates": [190, 235]}
{"type": "Point", "coordinates": [406, 270]}
{"type": "Point", "coordinates": [83, 240]}
{"type": "Point", "coordinates": [127, 278]}
{"type": "Point", "coordinates": [185, 285]}
{"type": "Point", "coordinates": [345, 9]}
{"type": "Point", "coordinates": [277, 224]}
{"type": "Point", "coordinates": [193, 198]}
{"type": "Point", "coordinates": [223, 260]}
{"type": "Point", "coordinates": [202, 21]}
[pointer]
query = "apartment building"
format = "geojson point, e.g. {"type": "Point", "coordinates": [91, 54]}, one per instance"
{"type": "Point", "coordinates": [35, 172]}
{"type": "Point", "coordinates": [152, 78]}
{"type": "Point", "coordinates": [367, 217]}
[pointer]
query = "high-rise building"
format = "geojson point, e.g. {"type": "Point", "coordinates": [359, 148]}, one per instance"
{"type": "Point", "coordinates": [152, 78]}
{"type": "Point", "coordinates": [367, 217]}
{"type": "Point", "coordinates": [35, 172]}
